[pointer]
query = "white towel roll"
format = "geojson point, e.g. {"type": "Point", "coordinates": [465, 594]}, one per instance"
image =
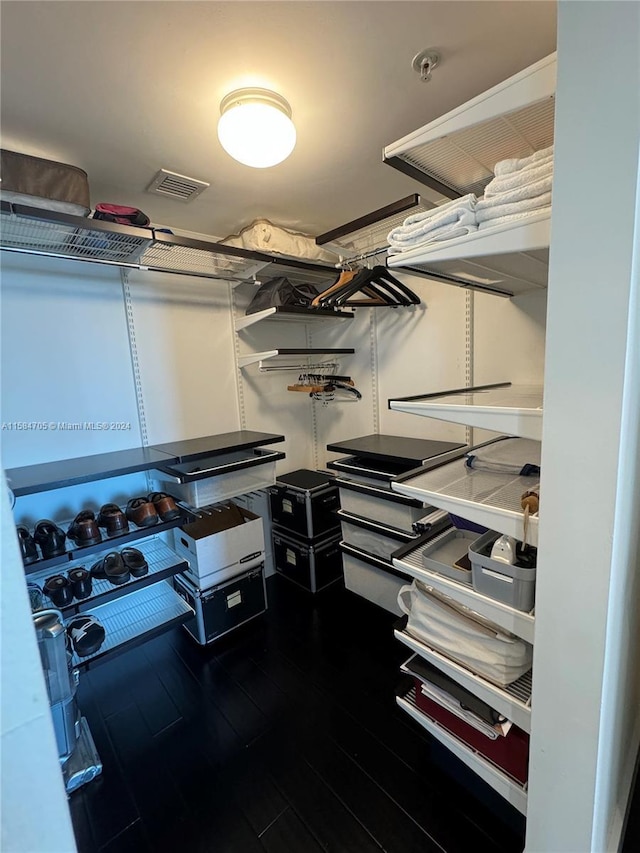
{"type": "Point", "coordinates": [523, 178]}
{"type": "Point", "coordinates": [494, 211]}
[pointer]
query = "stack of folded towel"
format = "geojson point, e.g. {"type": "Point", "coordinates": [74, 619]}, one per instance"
{"type": "Point", "coordinates": [453, 219]}
{"type": "Point", "coordinates": [519, 189]}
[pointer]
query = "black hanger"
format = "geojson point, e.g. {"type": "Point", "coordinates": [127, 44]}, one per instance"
{"type": "Point", "coordinates": [384, 289]}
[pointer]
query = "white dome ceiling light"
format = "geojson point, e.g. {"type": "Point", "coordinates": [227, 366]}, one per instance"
{"type": "Point", "coordinates": [255, 127]}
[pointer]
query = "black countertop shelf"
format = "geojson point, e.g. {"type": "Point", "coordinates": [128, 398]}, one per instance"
{"type": "Point", "coordinates": [47, 476]}
{"type": "Point", "coordinates": [32, 479]}
{"type": "Point", "coordinates": [388, 448]}
{"type": "Point", "coordinates": [107, 544]}
{"type": "Point", "coordinates": [192, 449]}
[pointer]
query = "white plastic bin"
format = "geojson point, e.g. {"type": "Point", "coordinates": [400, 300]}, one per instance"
{"type": "Point", "coordinates": [381, 505]}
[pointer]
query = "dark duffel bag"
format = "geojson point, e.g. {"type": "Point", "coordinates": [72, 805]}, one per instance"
{"type": "Point", "coordinates": [281, 293]}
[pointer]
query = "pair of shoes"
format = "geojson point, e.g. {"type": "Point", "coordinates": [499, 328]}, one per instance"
{"type": "Point", "coordinates": [118, 567]}
{"type": "Point", "coordinates": [85, 634]}
{"type": "Point", "coordinates": [155, 507]}
{"type": "Point", "coordinates": [84, 529]}
{"type": "Point", "coordinates": [114, 521]}
{"type": "Point", "coordinates": [62, 589]}
{"type": "Point", "coordinates": [47, 535]}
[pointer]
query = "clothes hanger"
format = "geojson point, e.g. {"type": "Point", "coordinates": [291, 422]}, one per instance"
{"type": "Point", "coordinates": [377, 283]}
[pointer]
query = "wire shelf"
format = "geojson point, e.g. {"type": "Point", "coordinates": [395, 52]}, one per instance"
{"type": "Point", "coordinates": [517, 622]}
{"type": "Point", "coordinates": [484, 497]}
{"type": "Point", "coordinates": [135, 617]}
{"type": "Point", "coordinates": [512, 700]}
{"type": "Point", "coordinates": [508, 787]}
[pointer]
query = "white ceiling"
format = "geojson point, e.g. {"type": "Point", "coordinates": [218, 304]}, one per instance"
{"type": "Point", "coordinates": [122, 89]}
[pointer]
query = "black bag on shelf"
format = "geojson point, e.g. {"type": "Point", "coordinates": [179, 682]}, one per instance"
{"type": "Point", "coordinates": [281, 293]}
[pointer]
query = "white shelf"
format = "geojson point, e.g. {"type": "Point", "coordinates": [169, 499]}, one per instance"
{"type": "Point", "coordinates": [292, 315]}
{"type": "Point", "coordinates": [483, 497]}
{"type": "Point", "coordinates": [513, 701]}
{"type": "Point", "coordinates": [512, 791]}
{"type": "Point", "coordinates": [515, 621]}
{"type": "Point", "coordinates": [460, 149]}
{"type": "Point", "coordinates": [507, 259]}
{"type": "Point", "coordinates": [513, 410]}
{"type": "Point", "coordinates": [252, 358]}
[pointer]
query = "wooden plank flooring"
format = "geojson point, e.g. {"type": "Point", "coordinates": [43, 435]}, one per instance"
{"type": "Point", "coordinates": [284, 737]}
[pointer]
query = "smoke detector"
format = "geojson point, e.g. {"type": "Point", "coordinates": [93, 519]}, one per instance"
{"type": "Point", "coordinates": [178, 187]}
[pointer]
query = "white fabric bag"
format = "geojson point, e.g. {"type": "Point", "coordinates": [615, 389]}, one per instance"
{"type": "Point", "coordinates": [463, 635]}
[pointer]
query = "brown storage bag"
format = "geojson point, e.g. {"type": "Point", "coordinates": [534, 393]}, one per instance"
{"type": "Point", "coordinates": [36, 182]}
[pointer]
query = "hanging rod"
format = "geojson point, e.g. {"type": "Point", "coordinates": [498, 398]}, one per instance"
{"type": "Point", "coordinates": [352, 259]}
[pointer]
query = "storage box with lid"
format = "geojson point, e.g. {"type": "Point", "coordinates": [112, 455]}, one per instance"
{"type": "Point", "coordinates": [224, 607]}
{"type": "Point", "coordinates": [305, 502]}
{"type": "Point", "coordinates": [311, 563]}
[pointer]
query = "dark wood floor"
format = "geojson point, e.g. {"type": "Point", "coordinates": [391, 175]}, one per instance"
{"type": "Point", "coordinates": [284, 737]}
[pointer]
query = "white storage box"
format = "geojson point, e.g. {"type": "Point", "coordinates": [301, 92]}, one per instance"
{"type": "Point", "coordinates": [442, 553]}
{"type": "Point", "coordinates": [373, 579]}
{"type": "Point", "coordinates": [220, 477]}
{"type": "Point", "coordinates": [376, 539]}
{"type": "Point", "coordinates": [513, 585]}
{"type": "Point", "coordinates": [224, 541]}
{"type": "Point", "coordinates": [381, 505]}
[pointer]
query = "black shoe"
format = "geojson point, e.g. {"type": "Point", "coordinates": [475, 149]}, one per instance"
{"type": "Point", "coordinates": [50, 538]}
{"type": "Point", "coordinates": [135, 561]}
{"type": "Point", "coordinates": [86, 635]}
{"type": "Point", "coordinates": [80, 580]}
{"type": "Point", "coordinates": [27, 545]}
{"type": "Point", "coordinates": [115, 571]}
{"type": "Point", "coordinates": [58, 588]}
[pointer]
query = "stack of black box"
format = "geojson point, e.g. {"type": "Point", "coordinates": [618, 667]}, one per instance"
{"type": "Point", "coordinates": [306, 529]}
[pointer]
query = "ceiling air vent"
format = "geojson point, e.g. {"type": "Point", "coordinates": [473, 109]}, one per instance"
{"type": "Point", "coordinates": [176, 186]}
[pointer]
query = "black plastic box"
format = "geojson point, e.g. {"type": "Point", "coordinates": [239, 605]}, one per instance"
{"type": "Point", "coordinates": [313, 565]}
{"type": "Point", "coordinates": [304, 503]}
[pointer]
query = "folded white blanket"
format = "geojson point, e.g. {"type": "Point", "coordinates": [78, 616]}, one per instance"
{"type": "Point", "coordinates": [515, 180]}
{"type": "Point", "coordinates": [493, 211]}
{"type": "Point", "coordinates": [434, 238]}
{"type": "Point", "coordinates": [459, 212]}
{"type": "Point", "coordinates": [506, 167]}
{"type": "Point", "coordinates": [512, 217]}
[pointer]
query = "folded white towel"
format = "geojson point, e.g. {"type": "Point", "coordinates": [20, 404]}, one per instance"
{"type": "Point", "coordinates": [434, 238]}
{"type": "Point", "coordinates": [506, 167]}
{"type": "Point", "coordinates": [419, 226]}
{"type": "Point", "coordinates": [525, 193]}
{"type": "Point", "coordinates": [513, 217]}
{"type": "Point", "coordinates": [466, 201]}
{"type": "Point", "coordinates": [519, 179]}
{"type": "Point", "coordinates": [493, 211]}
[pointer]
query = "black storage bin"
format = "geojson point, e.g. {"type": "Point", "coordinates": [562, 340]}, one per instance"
{"type": "Point", "coordinates": [222, 608]}
{"type": "Point", "coordinates": [304, 502]}
{"type": "Point", "coordinates": [312, 564]}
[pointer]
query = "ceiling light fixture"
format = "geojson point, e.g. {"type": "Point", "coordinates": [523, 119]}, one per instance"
{"type": "Point", "coordinates": [255, 127]}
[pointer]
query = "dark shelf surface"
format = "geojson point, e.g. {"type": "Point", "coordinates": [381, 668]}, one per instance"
{"type": "Point", "coordinates": [69, 472]}
{"type": "Point", "coordinates": [389, 448]}
{"type": "Point", "coordinates": [80, 553]}
{"type": "Point", "coordinates": [302, 312]}
{"type": "Point", "coordinates": [198, 448]}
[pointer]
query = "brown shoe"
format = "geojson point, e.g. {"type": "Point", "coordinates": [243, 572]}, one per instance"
{"type": "Point", "coordinates": [141, 512]}
{"type": "Point", "coordinates": [84, 529]}
{"type": "Point", "coordinates": [165, 505]}
{"type": "Point", "coordinates": [113, 520]}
